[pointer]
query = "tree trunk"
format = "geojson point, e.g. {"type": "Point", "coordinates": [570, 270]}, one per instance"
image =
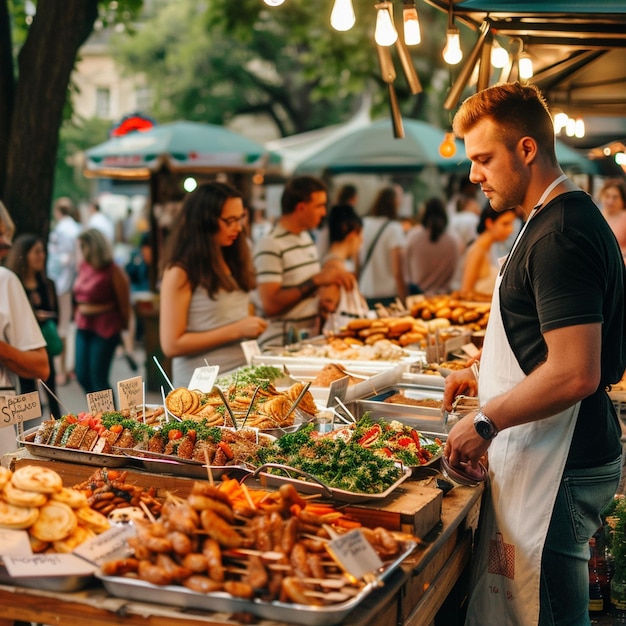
{"type": "Point", "coordinates": [45, 65]}
{"type": "Point", "coordinates": [7, 87]}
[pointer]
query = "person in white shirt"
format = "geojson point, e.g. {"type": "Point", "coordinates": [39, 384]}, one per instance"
{"type": "Point", "coordinates": [98, 220]}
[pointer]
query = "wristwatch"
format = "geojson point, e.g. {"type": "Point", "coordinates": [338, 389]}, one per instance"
{"type": "Point", "coordinates": [484, 426]}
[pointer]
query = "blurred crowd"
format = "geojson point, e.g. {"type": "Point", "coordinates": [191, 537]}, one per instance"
{"type": "Point", "coordinates": [230, 274]}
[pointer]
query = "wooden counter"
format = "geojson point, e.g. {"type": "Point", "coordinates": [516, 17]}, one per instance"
{"type": "Point", "coordinates": [430, 583]}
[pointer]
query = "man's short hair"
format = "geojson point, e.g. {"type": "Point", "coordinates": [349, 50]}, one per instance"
{"type": "Point", "coordinates": [299, 189]}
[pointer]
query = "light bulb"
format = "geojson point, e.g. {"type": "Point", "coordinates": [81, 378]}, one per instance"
{"type": "Point", "coordinates": [620, 158]}
{"type": "Point", "coordinates": [579, 128]}
{"type": "Point", "coordinates": [499, 56]}
{"type": "Point", "coordinates": [412, 35]}
{"type": "Point", "coordinates": [525, 66]}
{"type": "Point", "coordinates": [560, 120]}
{"type": "Point", "coordinates": [273, 3]}
{"type": "Point", "coordinates": [452, 53]}
{"type": "Point", "coordinates": [342, 16]}
{"type": "Point", "coordinates": [385, 33]}
{"type": "Point", "coordinates": [447, 148]}
{"type": "Point", "coordinates": [570, 127]}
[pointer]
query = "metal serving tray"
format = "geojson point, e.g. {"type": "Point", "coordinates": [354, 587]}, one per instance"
{"type": "Point", "coordinates": [65, 454]}
{"type": "Point", "coordinates": [421, 418]}
{"type": "Point", "coordinates": [306, 615]}
{"type": "Point", "coordinates": [310, 484]}
{"type": "Point", "coordinates": [58, 584]}
{"type": "Point", "coordinates": [167, 464]}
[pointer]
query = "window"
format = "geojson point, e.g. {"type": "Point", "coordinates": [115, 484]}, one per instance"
{"type": "Point", "coordinates": [142, 98]}
{"type": "Point", "coordinates": [103, 102]}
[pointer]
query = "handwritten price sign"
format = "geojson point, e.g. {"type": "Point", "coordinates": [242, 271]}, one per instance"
{"type": "Point", "coordinates": [130, 392]}
{"type": "Point", "coordinates": [21, 408]}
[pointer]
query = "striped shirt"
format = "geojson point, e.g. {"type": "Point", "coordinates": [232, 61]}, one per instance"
{"type": "Point", "coordinates": [289, 259]}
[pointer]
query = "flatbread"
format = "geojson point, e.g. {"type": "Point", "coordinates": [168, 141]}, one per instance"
{"type": "Point", "coordinates": [17, 517]}
{"type": "Point", "coordinates": [37, 478]}
{"type": "Point", "coordinates": [21, 497]}
{"type": "Point", "coordinates": [72, 497]}
{"type": "Point", "coordinates": [92, 519]}
{"type": "Point", "coordinates": [55, 522]}
{"type": "Point", "coordinates": [5, 476]}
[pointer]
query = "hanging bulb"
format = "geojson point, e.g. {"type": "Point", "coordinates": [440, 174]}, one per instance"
{"type": "Point", "coordinates": [385, 33]}
{"type": "Point", "coordinates": [499, 56]}
{"type": "Point", "coordinates": [412, 35]}
{"type": "Point", "coordinates": [273, 3]}
{"type": "Point", "coordinates": [579, 128]}
{"type": "Point", "coordinates": [570, 127]}
{"type": "Point", "coordinates": [342, 16]}
{"type": "Point", "coordinates": [447, 148]}
{"type": "Point", "coordinates": [525, 66]}
{"type": "Point", "coordinates": [560, 120]}
{"type": "Point", "coordinates": [452, 53]}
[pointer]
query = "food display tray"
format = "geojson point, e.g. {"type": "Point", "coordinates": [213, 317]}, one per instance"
{"type": "Point", "coordinates": [305, 615]}
{"type": "Point", "coordinates": [421, 418]}
{"type": "Point", "coordinates": [57, 453]}
{"type": "Point", "coordinates": [373, 366]}
{"type": "Point", "coordinates": [311, 485]}
{"type": "Point", "coordinates": [167, 464]}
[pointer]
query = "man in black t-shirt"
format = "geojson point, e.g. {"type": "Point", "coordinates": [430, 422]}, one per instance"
{"type": "Point", "coordinates": [554, 343]}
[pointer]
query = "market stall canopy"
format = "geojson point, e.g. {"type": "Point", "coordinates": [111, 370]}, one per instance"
{"type": "Point", "coordinates": [373, 149]}
{"type": "Point", "coordinates": [189, 147]}
{"type": "Point", "coordinates": [577, 46]}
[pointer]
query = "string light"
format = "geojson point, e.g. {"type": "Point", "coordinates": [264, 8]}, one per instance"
{"type": "Point", "coordinates": [273, 3]}
{"type": "Point", "coordinates": [447, 149]}
{"type": "Point", "coordinates": [412, 35]}
{"type": "Point", "coordinates": [452, 53]}
{"type": "Point", "coordinates": [525, 66]}
{"type": "Point", "coordinates": [499, 56]}
{"type": "Point", "coordinates": [342, 16]}
{"type": "Point", "coordinates": [385, 33]}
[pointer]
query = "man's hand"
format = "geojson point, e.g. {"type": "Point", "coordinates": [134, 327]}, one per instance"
{"type": "Point", "coordinates": [460, 382]}
{"type": "Point", "coordinates": [464, 444]}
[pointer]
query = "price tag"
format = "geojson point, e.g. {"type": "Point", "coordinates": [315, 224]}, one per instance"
{"type": "Point", "coordinates": [354, 554]}
{"type": "Point", "coordinates": [338, 389]}
{"type": "Point", "coordinates": [250, 350]}
{"type": "Point", "coordinates": [203, 378]}
{"type": "Point", "coordinates": [46, 565]}
{"type": "Point", "coordinates": [21, 408]}
{"type": "Point", "coordinates": [130, 392]}
{"type": "Point", "coordinates": [470, 349]}
{"type": "Point", "coordinates": [111, 544]}
{"type": "Point", "coordinates": [14, 542]}
{"type": "Point", "coordinates": [100, 401]}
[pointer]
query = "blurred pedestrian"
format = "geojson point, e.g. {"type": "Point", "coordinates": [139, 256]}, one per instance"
{"type": "Point", "coordinates": [205, 291]}
{"type": "Point", "coordinates": [98, 220]}
{"type": "Point", "coordinates": [479, 272]}
{"type": "Point", "coordinates": [432, 253]}
{"type": "Point", "coordinates": [22, 346]}
{"type": "Point", "coordinates": [381, 278]}
{"type": "Point", "coordinates": [27, 259]}
{"type": "Point", "coordinates": [102, 296]}
{"type": "Point", "coordinates": [61, 268]}
{"type": "Point", "coordinates": [287, 264]}
{"type": "Point", "coordinates": [613, 205]}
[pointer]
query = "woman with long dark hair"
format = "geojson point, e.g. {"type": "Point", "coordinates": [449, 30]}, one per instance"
{"type": "Point", "coordinates": [27, 259]}
{"type": "Point", "coordinates": [205, 291]}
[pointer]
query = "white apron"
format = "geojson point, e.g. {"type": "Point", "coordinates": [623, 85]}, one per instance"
{"type": "Point", "coordinates": [526, 464]}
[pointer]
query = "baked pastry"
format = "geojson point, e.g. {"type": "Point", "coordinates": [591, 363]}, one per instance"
{"type": "Point", "coordinates": [17, 517]}
{"type": "Point", "coordinates": [21, 497]}
{"type": "Point", "coordinates": [73, 540]}
{"type": "Point", "coordinates": [37, 478]}
{"type": "Point", "coordinates": [55, 522]}
{"type": "Point", "coordinates": [5, 476]}
{"type": "Point", "coordinates": [92, 519]}
{"type": "Point", "coordinates": [72, 497]}
{"type": "Point", "coordinates": [181, 400]}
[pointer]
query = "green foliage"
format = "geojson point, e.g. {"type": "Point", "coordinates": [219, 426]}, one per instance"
{"type": "Point", "coordinates": [74, 138]}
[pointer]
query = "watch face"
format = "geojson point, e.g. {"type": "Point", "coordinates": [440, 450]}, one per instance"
{"type": "Point", "coordinates": [484, 429]}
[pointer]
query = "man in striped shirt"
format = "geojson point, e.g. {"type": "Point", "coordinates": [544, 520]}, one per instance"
{"type": "Point", "coordinates": [288, 267]}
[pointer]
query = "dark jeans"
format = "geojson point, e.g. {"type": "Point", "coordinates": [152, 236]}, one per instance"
{"type": "Point", "coordinates": [582, 495]}
{"type": "Point", "coordinates": [94, 355]}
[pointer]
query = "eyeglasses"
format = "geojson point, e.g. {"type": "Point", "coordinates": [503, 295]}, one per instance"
{"type": "Point", "coordinates": [231, 221]}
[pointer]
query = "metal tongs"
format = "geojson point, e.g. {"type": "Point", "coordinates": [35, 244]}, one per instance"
{"type": "Point", "coordinates": [220, 393]}
{"type": "Point", "coordinates": [297, 401]}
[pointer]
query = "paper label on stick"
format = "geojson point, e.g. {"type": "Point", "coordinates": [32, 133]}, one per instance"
{"type": "Point", "coordinates": [100, 401]}
{"type": "Point", "coordinates": [250, 350]}
{"type": "Point", "coordinates": [15, 409]}
{"type": "Point", "coordinates": [203, 378]}
{"type": "Point", "coordinates": [14, 542]}
{"type": "Point", "coordinates": [130, 392]}
{"type": "Point", "coordinates": [108, 545]}
{"type": "Point", "coordinates": [354, 554]}
{"type": "Point", "coordinates": [45, 565]}
{"type": "Point", "coordinates": [470, 349]}
{"type": "Point", "coordinates": [338, 389]}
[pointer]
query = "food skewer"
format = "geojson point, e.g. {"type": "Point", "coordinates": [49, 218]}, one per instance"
{"type": "Point", "coordinates": [55, 397]}
{"type": "Point", "coordinates": [167, 380]}
{"type": "Point", "coordinates": [254, 395]}
{"type": "Point", "coordinates": [220, 393]}
{"type": "Point", "coordinates": [208, 468]}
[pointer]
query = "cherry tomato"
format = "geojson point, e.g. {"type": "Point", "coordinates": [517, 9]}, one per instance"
{"type": "Point", "coordinates": [116, 428]}
{"type": "Point", "coordinates": [174, 434]}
